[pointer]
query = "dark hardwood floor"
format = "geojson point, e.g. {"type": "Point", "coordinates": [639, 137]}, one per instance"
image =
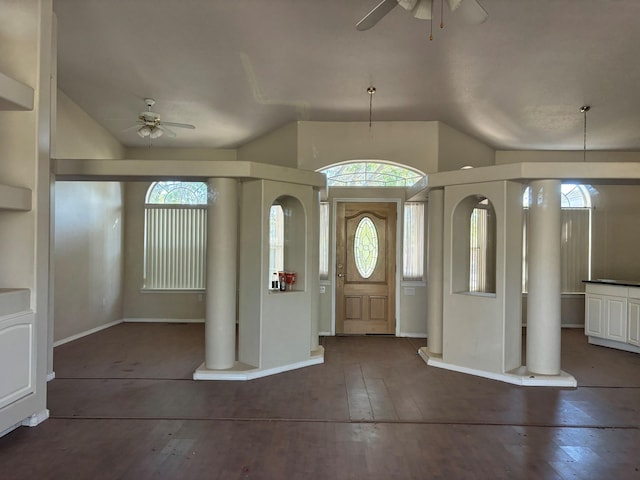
{"type": "Point", "coordinates": [123, 406]}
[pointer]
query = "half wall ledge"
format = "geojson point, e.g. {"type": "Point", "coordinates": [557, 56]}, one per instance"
{"type": "Point", "coordinates": [243, 372]}
{"type": "Point", "coordinates": [186, 170]}
{"type": "Point", "coordinates": [520, 376]}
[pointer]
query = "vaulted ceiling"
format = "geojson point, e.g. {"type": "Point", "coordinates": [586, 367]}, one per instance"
{"type": "Point", "coordinates": [238, 69]}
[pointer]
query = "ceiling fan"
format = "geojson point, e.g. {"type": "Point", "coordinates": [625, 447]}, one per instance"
{"type": "Point", "coordinates": [150, 125]}
{"type": "Point", "coordinates": [470, 10]}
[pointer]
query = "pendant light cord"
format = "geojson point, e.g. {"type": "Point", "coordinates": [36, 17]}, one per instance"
{"type": "Point", "coordinates": [371, 91]}
{"type": "Point", "coordinates": [584, 111]}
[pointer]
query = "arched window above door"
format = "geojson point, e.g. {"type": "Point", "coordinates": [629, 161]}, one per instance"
{"type": "Point", "coordinates": [370, 174]}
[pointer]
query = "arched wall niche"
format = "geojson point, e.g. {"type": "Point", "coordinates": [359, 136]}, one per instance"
{"type": "Point", "coordinates": [294, 232]}
{"type": "Point", "coordinates": [473, 267]}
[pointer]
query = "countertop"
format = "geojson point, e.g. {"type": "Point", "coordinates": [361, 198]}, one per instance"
{"type": "Point", "coordinates": [608, 281]}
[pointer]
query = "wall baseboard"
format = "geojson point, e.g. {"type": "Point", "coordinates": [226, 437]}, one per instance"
{"type": "Point", "coordinates": [163, 320]}
{"type": "Point", "coordinates": [413, 334]}
{"type": "Point", "coordinates": [35, 419]}
{"type": "Point", "coordinates": [62, 341]}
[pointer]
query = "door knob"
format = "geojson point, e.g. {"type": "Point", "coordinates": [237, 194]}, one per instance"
{"type": "Point", "coordinates": [340, 275]}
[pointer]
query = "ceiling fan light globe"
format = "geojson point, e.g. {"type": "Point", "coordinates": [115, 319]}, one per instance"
{"type": "Point", "coordinates": [144, 131]}
{"type": "Point", "coordinates": [420, 9]}
{"type": "Point", "coordinates": [470, 11]}
{"type": "Point", "coordinates": [155, 133]}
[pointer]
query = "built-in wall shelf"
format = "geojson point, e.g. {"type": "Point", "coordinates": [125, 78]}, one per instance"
{"type": "Point", "coordinates": [14, 300]}
{"type": "Point", "coordinates": [15, 198]}
{"type": "Point", "coordinates": [15, 95]}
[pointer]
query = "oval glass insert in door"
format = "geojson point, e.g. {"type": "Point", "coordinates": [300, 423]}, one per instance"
{"type": "Point", "coordinates": [365, 247]}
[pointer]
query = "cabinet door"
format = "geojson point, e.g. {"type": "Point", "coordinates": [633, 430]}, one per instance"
{"type": "Point", "coordinates": [594, 315]}
{"type": "Point", "coordinates": [634, 321]}
{"type": "Point", "coordinates": [615, 318]}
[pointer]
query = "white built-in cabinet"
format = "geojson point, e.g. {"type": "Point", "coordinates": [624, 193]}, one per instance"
{"type": "Point", "coordinates": [633, 309]}
{"type": "Point", "coordinates": [612, 315]}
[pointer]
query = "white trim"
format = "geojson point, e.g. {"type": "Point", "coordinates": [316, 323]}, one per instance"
{"type": "Point", "coordinates": [399, 230]}
{"type": "Point", "coordinates": [10, 429]}
{"type": "Point", "coordinates": [240, 371]}
{"type": "Point", "coordinates": [35, 419]}
{"type": "Point", "coordinates": [413, 283]}
{"type": "Point", "coordinates": [572, 325]}
{"type": "Point", "coordinates": [85, 333]}
{"type": "Point", "coordinates": [518, 376]}
{"type": "Point", "coordinates": [163, 320]}
{"type": "Point", "coordinates": [413, 334]}
{"type": "Point", "coordinates": [51, 376]}
{"type": "Point", "coordinates": [605, 342]}
{"type": "Point", "coordinates": [325, 334]}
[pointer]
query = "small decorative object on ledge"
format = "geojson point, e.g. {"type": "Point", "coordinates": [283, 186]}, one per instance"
{"type": "Point", "coordinates": [290, 277]}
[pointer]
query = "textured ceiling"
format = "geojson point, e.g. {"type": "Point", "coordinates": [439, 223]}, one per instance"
{"type": "Point", "coordinates": [238, 69]}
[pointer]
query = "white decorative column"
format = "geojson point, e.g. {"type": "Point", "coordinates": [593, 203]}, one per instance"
{"type": "Point", "coordinates": [222, 233]}
{"type": "Point", "coordinates": [435, 262]}
{"type": "Point", "coordinates": [544, 287]}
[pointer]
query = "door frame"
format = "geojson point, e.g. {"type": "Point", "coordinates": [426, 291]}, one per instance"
{"type": "Point", "coordinates": [399, 247]}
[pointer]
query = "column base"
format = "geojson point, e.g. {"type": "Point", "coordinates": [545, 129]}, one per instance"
{"type": "Point", "coordinates": [518, 376]}
{"type": "Point", "coordinates": [242, 371]}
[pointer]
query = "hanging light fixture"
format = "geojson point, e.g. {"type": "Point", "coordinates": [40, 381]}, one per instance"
{"type": "Point", "coordinates": [156, 132]}
{"type": "Point", "coordinates": [144, 131]}
{"type": "Point", "coordinates": [371, 91]}
{"type": "Point", "coordinates": [584, 109]}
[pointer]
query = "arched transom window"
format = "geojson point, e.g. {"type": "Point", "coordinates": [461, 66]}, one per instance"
{"type": "Point", "coordinates": [177, 193]}
{"type": "Point", "coordinates": [370, 174]}
{"type": "Point", "coordinates": [571, 196]}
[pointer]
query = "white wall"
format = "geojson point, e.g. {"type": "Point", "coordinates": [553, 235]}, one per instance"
{"type": "Point", "coordinates": [279, 147]}
{"type": "Point", "coordinates": [88, 227]}
{"type": "Point", "coordinates": [88, 256]}
{"type": "Point", "coordinates": [205, 154]}
{"type": "Point", "coordinates": [409, 143]}
{"type": "Point", "coordinates": [80, 136]}
{"type": "Point", "coordinates": [616, 232]}
{"type": "Point", "coordinates": [457, 150]}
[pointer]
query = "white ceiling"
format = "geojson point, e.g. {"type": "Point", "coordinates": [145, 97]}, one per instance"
{"type": "Point", "coordinates": [238, 69]}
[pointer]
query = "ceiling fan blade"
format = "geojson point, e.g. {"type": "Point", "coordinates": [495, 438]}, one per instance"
{"type": "Point", "coordinates": [179, 125]}
{"type": "Point", "coordinates": [375, 15]}
{"type": "Point", "coordinates": [163, 128]}
{"type": "Point", "coordinates": [469, 10]}
{"type": "Point", "coordinates": [133, 127]}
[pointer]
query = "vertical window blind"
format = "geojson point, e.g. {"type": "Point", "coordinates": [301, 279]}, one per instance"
{"type": "Point", "coordinates": [478, 251]}
{"type": "Point", "coordinates": [413, 241]}
{"type": "Point", "coordinates": [175, 246]}
{"type": "Point", "coordinates": [276, 239]}
{"type": "Point", "coordinates": [574, 249]}
{"type": "Point", "coordinates": [324, 240]}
